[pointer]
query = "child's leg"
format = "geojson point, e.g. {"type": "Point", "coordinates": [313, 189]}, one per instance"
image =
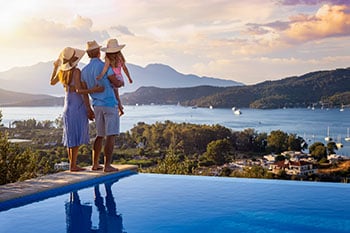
{"type": "Point", "coordinates": [120, 106]}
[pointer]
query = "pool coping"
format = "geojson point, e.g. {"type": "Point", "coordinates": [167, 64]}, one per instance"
{"type": "Point", "coordinates": [32, 190]}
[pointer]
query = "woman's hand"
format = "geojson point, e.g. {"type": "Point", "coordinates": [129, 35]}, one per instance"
{"type": "Point", "coordinates": [57, 63]}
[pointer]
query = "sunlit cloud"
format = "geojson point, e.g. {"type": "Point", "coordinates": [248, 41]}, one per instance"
{"type": "Point", "coordinates": [41, 32]}
{"type": "Point", "coordinates": [313, 2]}
{"type": "Point", "coordinates": [218, 38]}
{"type": "Point", "coordinates": [329, 21]}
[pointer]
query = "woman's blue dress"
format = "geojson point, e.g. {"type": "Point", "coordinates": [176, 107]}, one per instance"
{"type": "Point", "coordinates": [75, 121]}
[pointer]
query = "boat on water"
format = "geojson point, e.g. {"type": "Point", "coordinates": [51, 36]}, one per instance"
{"type": "Point", "coordinates": [236, 111]}
{"type": "Point", "coordinates": [339, 144]}
{"type": "Point", "coordinates": [347, 139]}
{"type": "Point", "coordinates": [328, 138]}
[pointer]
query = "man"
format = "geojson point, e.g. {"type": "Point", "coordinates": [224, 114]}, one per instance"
{"type": "Point", "coordinates": [105, 107]}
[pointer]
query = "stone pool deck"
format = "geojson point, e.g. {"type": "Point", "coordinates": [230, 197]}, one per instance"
{"type": "Point", "coordinates": [55, 181]}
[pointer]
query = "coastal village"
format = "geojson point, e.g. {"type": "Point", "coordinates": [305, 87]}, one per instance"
{"type": "Point", "coordinates": [296, 163]}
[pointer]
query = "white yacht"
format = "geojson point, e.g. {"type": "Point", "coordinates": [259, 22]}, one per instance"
{"type": "Point", "coordinates": [328, 138]}
{"type": "Point", "coordinates": [347, 138]}
{"type": "Point", "coordinates": [237, 112]}
{"type": "Point", "coordinates": [339, 144]}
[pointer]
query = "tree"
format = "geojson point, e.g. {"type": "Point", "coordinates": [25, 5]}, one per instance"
{"type": "Point", "coordinates": [1, 119]}
{"type": "Point", "coordinates": [296, 143]}
{"type": "Point", "coordinates": [331, 147]}
{"type": "Point", "coordinates": [59, 122]}
{"type": "Point", "coordinates": [318, 150]}
{"type": "Point", "coordinates": [277, 141]}
{"type": "Point", "coordinates": [218, 151]}
{"type": "Point", "coordinates": [172, 164]}
{"type": "Point", "coordinates": [15, 164]}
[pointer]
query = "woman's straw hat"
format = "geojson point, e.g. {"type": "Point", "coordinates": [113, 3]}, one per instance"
{"type": "Point", "coordinates": [112, 46]}
{"type": "Point", "coordinates": [70, 57]}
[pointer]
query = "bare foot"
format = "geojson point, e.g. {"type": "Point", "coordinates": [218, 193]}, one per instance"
{"type": "Point", "coordinates": [77, 169]}
{"type": "Point", "coordinates": [96, 168]}
{"type": "Point", "coordinates": [110, 169]}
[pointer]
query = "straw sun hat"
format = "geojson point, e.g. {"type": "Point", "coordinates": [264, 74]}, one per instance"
{"type": "Point", "coordinates": [91, 45]}
{"type": "Point", "coordinates": [70, 57]}
{"type": "Point", "coordinates": [113, 46]}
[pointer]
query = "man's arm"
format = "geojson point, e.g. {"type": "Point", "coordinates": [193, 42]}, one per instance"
{"type": "Point", "coordinates": [86, 99]}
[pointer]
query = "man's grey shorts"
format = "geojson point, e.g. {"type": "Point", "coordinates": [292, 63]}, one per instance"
{"type": "Point", "coordinates": [107, 120]}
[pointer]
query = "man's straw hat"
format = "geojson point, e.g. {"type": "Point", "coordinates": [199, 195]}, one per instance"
{"type": "Point", "coordinates": [91, 45]}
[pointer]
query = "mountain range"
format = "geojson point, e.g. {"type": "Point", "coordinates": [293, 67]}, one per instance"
{"type": "Point", "coordinates": [330, 88]}
{"type": "Point", "coordinates": [160, 84]}
{"type": "Point", "coordinates": [36, 79]}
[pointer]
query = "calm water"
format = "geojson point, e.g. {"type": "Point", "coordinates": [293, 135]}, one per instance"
{"type": "Point", "coordinates": [151, 203]}
{"type": "Point", "coordinates": [309, 124]}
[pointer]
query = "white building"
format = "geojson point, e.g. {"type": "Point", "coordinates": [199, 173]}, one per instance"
{"type": "Point", "coordinates": [293, 167]}
{"type": "Point", "coordinates": [62, 166]}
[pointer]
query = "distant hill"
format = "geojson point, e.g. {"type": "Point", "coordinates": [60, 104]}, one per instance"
{"type": "Point", "coordinates": [156, 95]}
{"type": "Point", "coordinates": [35, 79]}
{"type": "Point", "coordinates": [332, 88]}
{"type": "Point", "coordinates": [10, 98]}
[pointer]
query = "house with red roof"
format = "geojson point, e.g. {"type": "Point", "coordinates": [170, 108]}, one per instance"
{"type": "Point", "coordinates": [293, 167]}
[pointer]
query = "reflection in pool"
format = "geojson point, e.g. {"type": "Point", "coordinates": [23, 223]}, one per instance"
{"type": "Point", "coordinates": [78, 214]}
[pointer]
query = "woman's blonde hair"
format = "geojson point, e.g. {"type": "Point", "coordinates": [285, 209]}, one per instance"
{"type": "Point", "coordinates": [65, 77]}
{"type": "Point", "coordinates": [115, 58]}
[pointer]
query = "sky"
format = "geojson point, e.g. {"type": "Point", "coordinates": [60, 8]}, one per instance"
{"type": "Point", "coordinates": [246, 41]}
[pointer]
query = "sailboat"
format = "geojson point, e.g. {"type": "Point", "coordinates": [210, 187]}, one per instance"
{"type": "Point", "coordinates": [347, 139]}
{"type": "Point", "coordinates": [328, 138]}
{"type": "Point", "coordinates": [339, 144]}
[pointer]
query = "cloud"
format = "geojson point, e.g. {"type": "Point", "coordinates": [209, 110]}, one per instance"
{"type": "Point", "coordinates": [38, 31]}
{"type": "Point", "coordinates": [123, 29]}
{"type": "Point", "coordinates": [82, 23]}
{"type": "Point", "coordinates": [329, 21]}
{"type": "Point", "coordinates": [312, 2]}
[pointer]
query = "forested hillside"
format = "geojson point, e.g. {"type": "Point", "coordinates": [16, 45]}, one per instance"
{"type": "Point", "coordinates": [327, 88]}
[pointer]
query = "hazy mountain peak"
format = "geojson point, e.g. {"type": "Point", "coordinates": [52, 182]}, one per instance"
{"type": "Point", "coordinates": [35, 79]}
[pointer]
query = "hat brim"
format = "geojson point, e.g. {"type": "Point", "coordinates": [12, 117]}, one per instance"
{"type": "Point", "coordinates": [78, 53]}
{"type": "Point", "coordinates": [92, 48]}
{"type": "Point", "coordinates": [113, 50]}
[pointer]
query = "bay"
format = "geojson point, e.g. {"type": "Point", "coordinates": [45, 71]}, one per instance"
{"type": "Point", "coordinates": [310, 124]}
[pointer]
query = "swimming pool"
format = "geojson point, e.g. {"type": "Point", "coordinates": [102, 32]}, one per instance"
{"type": "Point", "coordinates": [172, 203]}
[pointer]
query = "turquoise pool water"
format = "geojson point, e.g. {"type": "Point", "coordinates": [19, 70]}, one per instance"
{"type": "Point", "coordinates": [143, 203]}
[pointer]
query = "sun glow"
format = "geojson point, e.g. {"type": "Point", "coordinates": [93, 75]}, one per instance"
{"type": "Point", "coordinates": [13, 12]}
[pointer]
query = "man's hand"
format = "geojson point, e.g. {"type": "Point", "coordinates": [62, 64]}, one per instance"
{"type": "Point", "coordinates": [91, 114]}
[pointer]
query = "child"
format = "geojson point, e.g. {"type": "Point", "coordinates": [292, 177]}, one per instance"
{"type": "Point", "coordinates": [116, 60]}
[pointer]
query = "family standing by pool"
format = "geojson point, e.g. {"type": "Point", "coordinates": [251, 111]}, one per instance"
{"type": "Point", "coordinates": [100, 81]}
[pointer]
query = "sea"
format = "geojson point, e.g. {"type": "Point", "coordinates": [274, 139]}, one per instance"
{"type": "Point", "coordinates": [311, 124]}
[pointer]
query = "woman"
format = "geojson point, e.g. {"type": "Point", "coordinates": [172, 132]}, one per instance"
{"type": "Point", "coordinates": [76, 110]}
